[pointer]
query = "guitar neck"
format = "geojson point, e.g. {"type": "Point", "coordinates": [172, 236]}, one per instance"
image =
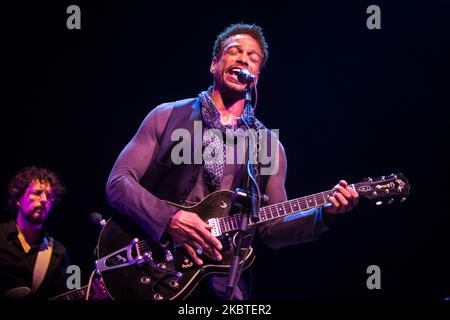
{"type": "Point", "coordinates": [77, 294]}
{"type": "Point", "coordinates": [274, 211]}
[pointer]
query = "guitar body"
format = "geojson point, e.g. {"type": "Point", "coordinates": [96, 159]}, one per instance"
{"type": "Point", "coordinates": [127, 276]}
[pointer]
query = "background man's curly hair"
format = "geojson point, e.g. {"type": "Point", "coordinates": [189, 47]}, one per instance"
{"type": "Point", "coordinates": [24, 177]}
{"type": "Point", "coordinates": [242, 28]}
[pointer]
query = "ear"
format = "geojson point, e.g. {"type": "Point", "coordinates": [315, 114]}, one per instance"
{"type": "Point", "coordinates": [212, 68]}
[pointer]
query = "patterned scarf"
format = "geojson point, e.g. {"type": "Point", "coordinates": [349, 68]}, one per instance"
{"type": "Point", "coordinates": [213, 142]}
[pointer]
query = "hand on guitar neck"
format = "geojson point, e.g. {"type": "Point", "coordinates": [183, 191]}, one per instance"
{"type": "Point", "coordinates": [188, 230]}
{"type": "Point", "coordinates": [344, 199]}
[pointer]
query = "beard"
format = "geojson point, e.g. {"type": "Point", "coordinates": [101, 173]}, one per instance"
{"type": "Point", "coordinates": [36, 216]}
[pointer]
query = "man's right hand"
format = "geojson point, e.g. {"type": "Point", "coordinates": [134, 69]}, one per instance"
{"type": "Point", "coordinates": [191, 232]}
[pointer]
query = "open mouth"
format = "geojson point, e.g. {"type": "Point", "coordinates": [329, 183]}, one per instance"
{"type": "Point", "coordinates": [39, 210]}
{"type": "Point", "coordinates": [233, 72]}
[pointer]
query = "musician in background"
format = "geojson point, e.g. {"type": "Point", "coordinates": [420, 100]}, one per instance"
{"type": "Point", "coordinates": [32, 263]}
{"type": "Point", "coordinates": [145, 172]}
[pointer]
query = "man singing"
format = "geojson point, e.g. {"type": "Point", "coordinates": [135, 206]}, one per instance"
{"type": "Point", "coordinates": [145, 173]}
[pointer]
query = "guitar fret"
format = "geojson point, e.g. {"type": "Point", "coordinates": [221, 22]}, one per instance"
{"type": "Point", "coordinates": [235, 223]}
{"type": "Point", "coordinates": [270, 212]}
{"type": "Point", "coordinates": [303, 203]}
{"type": "Point", "coordinates": [323, 198]}
{"type": "Point", "coordinates": [280, 210]}
{"type": "Point", "coordinates": [290, 207]}
{"type": "Point", "coordinates": [327, 195]}
{"type": "Point", "coordinates": [296, 206]}
{"type": "Point", "coordinates": [319, 199]}
{"type": "Point", "coordinates": [227, 225]}
{"type": "Point", "coordinates": [310, 202]}
{"type": "Point", "coordinates": [285, 208]}
{"type": "Point", "coordinates": [263, 215]}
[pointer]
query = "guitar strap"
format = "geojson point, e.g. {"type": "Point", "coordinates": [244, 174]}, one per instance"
{"type": "Point", "coordinates": [42, 262]}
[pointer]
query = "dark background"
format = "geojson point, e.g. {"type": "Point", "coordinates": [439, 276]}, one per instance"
{"type": "Point", "coordinates": [349, 102]}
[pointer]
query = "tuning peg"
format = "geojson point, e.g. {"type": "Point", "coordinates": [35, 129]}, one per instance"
{"type": "Point", "coordinates": [391, 200]}
{"type": "Point", "coordinates": [379, 203]}
{"type": "Point", "coordinates": [367, 179]}
{"type": "Point", "coordinates": [403, 199]}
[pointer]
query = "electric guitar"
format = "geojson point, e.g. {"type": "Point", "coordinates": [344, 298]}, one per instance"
{"type": "Point", "coordinates": [133, 266]}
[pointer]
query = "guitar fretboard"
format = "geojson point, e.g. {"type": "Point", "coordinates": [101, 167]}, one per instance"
{"type": "Point", "coordinates": [77, 294]}
{"type": "Point", "coordinates": [274, 211]}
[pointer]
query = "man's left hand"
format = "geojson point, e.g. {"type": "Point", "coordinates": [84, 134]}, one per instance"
{"type": "Point", "coordinates": [344, 199]}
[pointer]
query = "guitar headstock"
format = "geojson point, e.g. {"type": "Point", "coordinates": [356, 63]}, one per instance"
{"type": "Point", "coordinates": [385, 188]}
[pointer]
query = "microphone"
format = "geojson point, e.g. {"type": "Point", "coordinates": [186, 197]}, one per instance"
{"type": "Point", "coordinates": [245, 77]}
{"type": "Point", "coordinates": [98, 219]}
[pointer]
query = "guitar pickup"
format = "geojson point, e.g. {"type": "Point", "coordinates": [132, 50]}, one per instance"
{"type": "Point", "coordinates": [215, 227]}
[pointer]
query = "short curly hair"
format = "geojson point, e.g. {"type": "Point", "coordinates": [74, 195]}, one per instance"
{"type": "Point", "coordinates": [242, 28]}
{"type": "Point", "coordinates": [21, 181]}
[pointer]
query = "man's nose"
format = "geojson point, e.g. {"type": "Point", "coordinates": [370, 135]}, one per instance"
{"type": "Point", "coordinates": [243, 59]}
{"type": "Point", "coordinates": [44, 198]}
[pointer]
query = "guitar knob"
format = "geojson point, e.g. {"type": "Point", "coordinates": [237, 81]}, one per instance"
{"type": "Point", "coordinates": [379, 203]}
{"type": "Point", "coordinates": [392, 176]}
{"type": "Point", "coordinates": [157, 296]}
{"type": "Point", "coordinates": [403, 199]}
{"type": "Point", "coordinates": [140, 262]}
{"type": "Point", "coordinates": [391, 200]}
{"type": "Point", "coordinates": [145, 281]}
{"type": "Point", "coordinates": [168, 254]}
{"type": "Point", "coordinates": [147, 256]}
{"type": "Point", "coordinates": [174, 284]}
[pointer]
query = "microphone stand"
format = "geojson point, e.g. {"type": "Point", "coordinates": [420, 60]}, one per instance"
{"type": "Point", "coordinates": [248, 198]}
